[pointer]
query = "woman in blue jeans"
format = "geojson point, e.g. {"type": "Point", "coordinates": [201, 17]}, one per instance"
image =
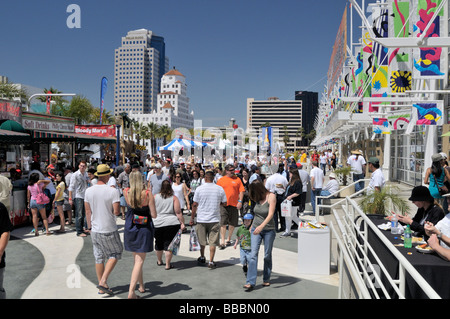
{"type": "Point", "coordinates": [262, 230]}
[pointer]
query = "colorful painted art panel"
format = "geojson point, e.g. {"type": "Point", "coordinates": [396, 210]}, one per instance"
{"type": "Point", "coordinates": [428, 62]}
{"type": "Point", "coordinates": [429, 113]}
{"type": "Point", "coordinates": [381, 126]}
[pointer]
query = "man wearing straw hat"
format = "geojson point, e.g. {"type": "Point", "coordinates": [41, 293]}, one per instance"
{"type": "Point", "coordinates": [102, 204]}
{"type": "Point", "coordinates": [358, 165]}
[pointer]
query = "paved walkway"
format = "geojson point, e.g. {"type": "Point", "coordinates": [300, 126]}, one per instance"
{"type": "Point", "coordinates": [61, 266]}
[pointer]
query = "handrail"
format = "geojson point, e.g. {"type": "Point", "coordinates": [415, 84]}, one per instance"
{"type": "Point", "coordinates": [318, 206]}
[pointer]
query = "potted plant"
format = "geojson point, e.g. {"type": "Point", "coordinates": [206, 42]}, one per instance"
{"type": "Point", "coordinates": [342, 175]}
{"type": "Point", "coordinates": [384, 201]}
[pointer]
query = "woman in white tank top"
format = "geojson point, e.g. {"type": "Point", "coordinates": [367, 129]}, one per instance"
{"type": "Point", "coordinates": [181, 191]}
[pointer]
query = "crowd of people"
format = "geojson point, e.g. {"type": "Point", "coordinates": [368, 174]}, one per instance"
{"type": "Point", "coordinates": [153, 197]}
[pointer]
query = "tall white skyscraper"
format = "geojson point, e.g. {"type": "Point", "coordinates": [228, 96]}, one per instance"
{"type": "Point", "coordinates": [139, 64]}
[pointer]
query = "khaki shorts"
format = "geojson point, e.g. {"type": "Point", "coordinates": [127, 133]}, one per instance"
{"type": "Point", "coordinates": [208, 233]}
{"type": "Point", "coordinates": [229, 216]}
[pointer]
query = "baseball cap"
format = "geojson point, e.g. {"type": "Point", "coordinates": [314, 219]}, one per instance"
{"type": "Point", "coordinates": [374, 160]}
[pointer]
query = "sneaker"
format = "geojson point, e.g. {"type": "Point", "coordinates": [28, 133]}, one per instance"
{"type": "Point", "coordinates": [212, 265]}
{"type": "Point", "coordinates": [201, 260]}
{"type": "Point", "coordinates": [285, 234]}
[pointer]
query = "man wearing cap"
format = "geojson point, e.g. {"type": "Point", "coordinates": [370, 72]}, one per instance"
{"type": "Point", "coordinates": [331, 187]}
{"type": "Point", "coordinates": [358, 164]}
{"type": "Point", "coordinates": [156, 179]}
{"type": "Point", "coordinates": [234, 190]}
{"type": "Point", "coordinates": [377, 180]}
{"type": "Point", "coordinates": [102, 205]}
{"type": "Point", "coordinates": [78, 184]}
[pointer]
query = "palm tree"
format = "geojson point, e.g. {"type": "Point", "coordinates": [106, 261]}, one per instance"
{"type": "Point", "coordinates": [82, 110]}
{"type": "Point", "coordinates": [9, 91]}
{"type": "Point", "coordinates": [383, 201]}
{"type": "Point", "coordinates": [165, 131]}
{"type": "Point", "coordinates": [152, 129]}
{"type": "Point", "coordinates": [139, 130]}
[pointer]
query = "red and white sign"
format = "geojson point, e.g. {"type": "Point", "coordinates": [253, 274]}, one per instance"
{"type": "Point", "coordinates": [96, 130]}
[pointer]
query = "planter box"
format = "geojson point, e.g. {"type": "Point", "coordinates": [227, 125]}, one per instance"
{"type": "Point", "coordinates": [346, 192]}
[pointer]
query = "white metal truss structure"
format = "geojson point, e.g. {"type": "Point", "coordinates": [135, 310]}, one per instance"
{"type": "Point", "coordinates": [398, 66]}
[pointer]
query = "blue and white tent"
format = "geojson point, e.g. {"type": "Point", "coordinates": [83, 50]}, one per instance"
{"type": "Point", "coordinates": [179, 143]}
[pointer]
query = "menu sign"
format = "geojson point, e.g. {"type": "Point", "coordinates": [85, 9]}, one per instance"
{"type": "Point", "coordinates": [10, 110]}
{"type": "Point", "coordinates": [42, 125]}
{"type": "Point", "coordinates": [96, 130]}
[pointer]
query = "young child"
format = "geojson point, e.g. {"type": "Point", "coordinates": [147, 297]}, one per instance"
{"type": "Point", "coordinates": [243, 237]}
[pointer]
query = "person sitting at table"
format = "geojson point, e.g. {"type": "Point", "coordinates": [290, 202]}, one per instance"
{"type": "Point", "coordinates": [439, 235]}
{"type": "Point", "coordinates": [428, 211]}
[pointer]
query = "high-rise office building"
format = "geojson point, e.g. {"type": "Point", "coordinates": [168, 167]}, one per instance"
{"type": "Point", "coordinates": [310, 105]}
{"type": "Point", "coordinates": [285, 115]}
{"type": "Point", "coordinates": [139, 64]}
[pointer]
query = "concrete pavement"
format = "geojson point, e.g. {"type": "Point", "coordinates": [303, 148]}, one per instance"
{"type": "Point", "coordinates": [61, 266]}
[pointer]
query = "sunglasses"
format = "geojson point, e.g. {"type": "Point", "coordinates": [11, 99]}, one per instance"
{"type": "Point", "coordinates": [178, 176]}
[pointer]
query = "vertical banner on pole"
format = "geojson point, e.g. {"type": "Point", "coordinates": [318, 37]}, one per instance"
{"type": "Point", "coordinates": [102, 97]}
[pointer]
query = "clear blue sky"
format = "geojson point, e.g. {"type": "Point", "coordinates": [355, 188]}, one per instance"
{"type": "Point", "coordinates": [228, 50]}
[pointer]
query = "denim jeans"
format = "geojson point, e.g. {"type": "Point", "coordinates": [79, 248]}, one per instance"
{"type": "Point", "coordinates": [80, 214]}
{"type": "Point", "coordinates": [268, 236]}
{"type": "Point", "coordinates": [314, 193]}
{"type": "Point", "coordinates": [360, 185]}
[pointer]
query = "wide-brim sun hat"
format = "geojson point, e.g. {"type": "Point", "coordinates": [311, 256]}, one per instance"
{"type": "Point", "coordinates": [103, 169]}
{"type": "Point", "coordinates": [332, 175]}
{"type": "Point", "coordinates": [357, 152]}
{"type": "Point", "coordinates": [421, 194]}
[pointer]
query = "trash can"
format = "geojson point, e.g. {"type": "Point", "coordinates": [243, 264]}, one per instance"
{"type": "Point", "coordinates": [314, 251]}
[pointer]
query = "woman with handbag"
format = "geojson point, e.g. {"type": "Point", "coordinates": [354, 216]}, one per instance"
{"type": "Point", "coordinates": [169, 221]}
{"type": "Point", "coordinates": [37, 201]}
{"type": "Point", "coordinates": [436, 177]}
{"type": "Point", "coordinates": [293, 193]}
{"type": "Point", "coordinates": [138, 231]}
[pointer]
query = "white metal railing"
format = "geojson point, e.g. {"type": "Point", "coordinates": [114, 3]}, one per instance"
{"type": "Point", "coordinates": [354, 249]}
{"type": "Point", "coordinates": [335, 194]}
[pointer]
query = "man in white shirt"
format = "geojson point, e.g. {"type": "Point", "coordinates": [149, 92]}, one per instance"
{"type": "Point", "coordinates": [102, 206]}
{"type": "Point", "coordinates": [317, 179]}
{"type": "Point", "coordinates": [358, 165]}
{"type": "Point", "coordinates": [377, 180]}
{"type": "Point", "coordinates": [277, 184]}
{"type": "Point", "coordinates": [206, 205]}
{"type": "Point", "coordinates": [331, 187]}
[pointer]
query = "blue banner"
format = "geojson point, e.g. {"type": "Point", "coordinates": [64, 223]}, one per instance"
{"type": "Point", "coordinates": [102, 97]}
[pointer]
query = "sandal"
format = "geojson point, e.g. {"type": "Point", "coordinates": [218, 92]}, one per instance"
{"type": "Point", "coordinates": [266, 284]}
{"type": "Point", "coordinates": [170, 267]}
{"type": "Point", "coordinates": [159, 264]}
{"type": "Point", "coordinates": [222, 247]}
{"type": "Point", "coordinates": [248, 287]}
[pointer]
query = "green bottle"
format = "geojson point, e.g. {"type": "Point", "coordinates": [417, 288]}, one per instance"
{"type": "Point", "coordinates": [407, 237]}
